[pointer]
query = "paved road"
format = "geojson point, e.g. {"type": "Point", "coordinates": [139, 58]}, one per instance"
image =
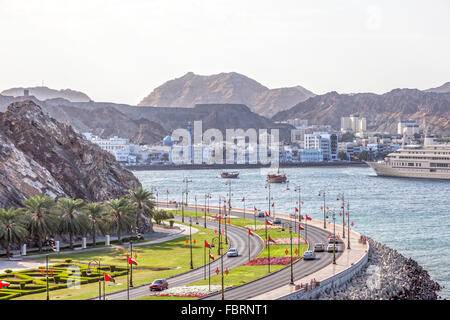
{"type": "Point", "coordinates": [238, 238]}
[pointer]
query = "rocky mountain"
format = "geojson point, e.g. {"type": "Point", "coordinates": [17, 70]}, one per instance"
{"type": "Point", "coordinates": [442, 89]}
{"type": "Point", "coordinates": [224, 88]}
{"type": "Point", "coordinates": [382, 111]}
{"type": "Point", "coordinates": [44, 93]}
{"type": "Point", "coordinates": [39, 155]}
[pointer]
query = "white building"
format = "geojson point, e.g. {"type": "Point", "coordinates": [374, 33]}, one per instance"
{"type": "Point", "coordinates": [354, 123]}
{"type": "Point", "coordinates": [311, 155]}
{"type": "Point", "coordinates": [121, 148]}
{"type": "Point", "coordinates": [324, 141]}
{"type": "Point", "coordinates": [408, 127]}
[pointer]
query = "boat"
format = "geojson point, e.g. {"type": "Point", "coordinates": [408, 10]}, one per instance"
{"type": "Point", "coordinates": [229, 175]}
{"type": "Point", "coordinates": [430, 161]}
{"type": "Point", "coordinates": [276, 177]}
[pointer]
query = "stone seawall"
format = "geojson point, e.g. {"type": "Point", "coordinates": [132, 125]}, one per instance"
{"type": "Point", "coordinates": [387, 275]}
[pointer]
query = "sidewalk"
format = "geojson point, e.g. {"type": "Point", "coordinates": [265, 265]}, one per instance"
{"type": "Point", "coordinates": [27, 262]}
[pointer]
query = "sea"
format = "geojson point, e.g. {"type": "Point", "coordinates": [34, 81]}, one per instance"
{"type": "Point", "coordinates": [409, 215]}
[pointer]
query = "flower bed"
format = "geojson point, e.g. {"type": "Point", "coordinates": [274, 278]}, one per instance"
{"type": "Point", "coordinates": [261, 227]}
{"type": "Point", "coordinates": [287, 241]}
{"type": "Point", "coordinates": [273, 261]}
{"type": "Point", "coordinates": [188, 291]}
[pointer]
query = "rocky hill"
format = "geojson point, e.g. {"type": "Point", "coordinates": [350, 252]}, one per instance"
{"type": "Point", "coordinates": [44, 93]}
{"type": "Point", "coordinates": [445, 88]}
{"type": "Point", "coordinates": [224, 88]}
{"type": "Point", "coordinates": [39, 155]}
{"type": "Point", "coordinates": [382, 111]}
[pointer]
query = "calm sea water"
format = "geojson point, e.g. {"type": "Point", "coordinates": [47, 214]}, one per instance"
{"type": "Point", "coordinates": [409, 215]}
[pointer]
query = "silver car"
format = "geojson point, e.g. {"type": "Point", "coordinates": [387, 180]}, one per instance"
{"type": "Point", "coordinates": [309, 255]}
{"type": "Point", "coordinates": [330, 248]}
{"type": "Point", "coordinates": [232, 252]}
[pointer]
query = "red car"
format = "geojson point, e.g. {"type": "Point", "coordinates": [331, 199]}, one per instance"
{"type": "Point", "coordinates": [159, 284]}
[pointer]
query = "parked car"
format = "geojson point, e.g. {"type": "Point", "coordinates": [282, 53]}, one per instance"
{"type": "Point", "coordinates": [319, 247]}
{"type": "Point", "coordinates": [232, 252]}
{"type": "Point", "coordinates": [309, 255]}
{"type": "Point", "coordinates": [277, 221]}
{"type": "Point", "coordinates": [330, 248]}
{"type": "Point", "coordinates": [159, 284]}
{"type": "Point", "coordinates": [260, 214]}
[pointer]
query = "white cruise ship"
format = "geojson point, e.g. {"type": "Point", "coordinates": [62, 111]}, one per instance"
{"type": "Point", "coordinates": [430, 161]}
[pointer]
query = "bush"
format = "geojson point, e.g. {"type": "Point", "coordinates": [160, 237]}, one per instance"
{"type": "Point", "coordinates": [161, 215]}
{"type": "Point", "coordinates": [112, 268]}
{"type": "Point", "coordinates": [68, 260]}
{"type": "Point", "coordinates": [8, 271]}
{"type": "Point", "coordinates": [171, 222]}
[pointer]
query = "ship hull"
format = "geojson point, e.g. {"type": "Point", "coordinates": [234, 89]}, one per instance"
{"type": "Point", "coordinates": [384, 170]}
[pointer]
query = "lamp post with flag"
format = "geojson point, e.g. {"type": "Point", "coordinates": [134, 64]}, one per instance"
{"type": "Point", "coordinates": [341, 197]}
{"type": "Point", "coordinates": [131, 261]}
{"type": "Point", "coordinates": [268, 239]}
{"type": "Point", "coordinates": [250, 233]}
{"type": "Point", "coordinates": [243, 200]}
{"type": "Point", "coordinates": [207, 197]}
{"type": "Point", "coordinates": [268, 189]}
{"type": "Point", "coordinates": [46, 267]}
{"type": "Point", "coordinates": [167, 195]}
{"type": "Point", "coordinates": [322, 193]}
{"type": "Point", "coordinates": [190, 240]}
{"type": "Point", "coordinates": [207, 245]}
{"type": "Point", "coordinates": [284, 224]}
{"type": "Point", "coordinates": [196, 218]}
{"type": "Point", "coordinates": [334, 236]}
{"type": "Point", "coordinates": [186, 180]}
{"type": "Point", "coordinates": [348, 224]}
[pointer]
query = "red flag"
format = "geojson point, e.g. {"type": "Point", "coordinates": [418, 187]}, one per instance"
{"type": "Point", "coordinates": [250, 232]}
{"type": "Point", "coordinates": [226, 271]}
{"type": "Point", "coordinates": [131, 261]}
{"type": "Point", "coordinates": [296, 209]}
{"type": "Point", "coordinates": [211, 256]}
{"type": "Point", "coordinates": [352, 224]}
{"type": "Point", "coordinates": [254, 208]}
{"type": "Point", "coordinates": [3, 284]}
{"type": "Point", "coordinates": [308, 217]}
{"type": "Point", "coordinates": [270, 239]}
{"type": "Point", "coordinates": [268, 222]}
{"type": "Point", "coordinates": [266, 214]}
{"type": "Point", "coordinates": [207, 210]}
{"type": "Point", "coordinates": [167, 191]}
{"type": "Point", "coordinates": [207, 245]}
{"type": "Point", "coordinates": [243, 198]}
{"type": "Point", "coordinates": [273, 203]}
{"type": "Point", "coordinates": [300, 227]}
{"type": "Point", "coordinates": [109, 278]}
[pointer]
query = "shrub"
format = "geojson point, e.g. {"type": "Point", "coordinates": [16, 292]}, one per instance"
{"type": "Point", "coordinates": [112, 268]}
{"type": "Point", "coordinates": [68, 260]}
{"type": "Point", "coordinates": [171, 222]}
{"type": "Point", "coordinates": [8, 271]}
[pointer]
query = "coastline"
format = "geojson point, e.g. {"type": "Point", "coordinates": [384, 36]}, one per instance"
{"type": "Point", "coordinates": [388, 275]}
{"type": "Point", "coordinates": [339, 164]}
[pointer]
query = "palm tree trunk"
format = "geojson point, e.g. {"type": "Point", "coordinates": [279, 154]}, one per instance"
{"type": "Point", "coordinates": [137, 220]}
{"type": "Point", "coordinates": [40, 243]}
{"type": "Point", "coordinates": [70, 240]}
{"type": "Point", "coordinates": [93, 234]}
{"type": "Point", "coordinates": [7, 249]}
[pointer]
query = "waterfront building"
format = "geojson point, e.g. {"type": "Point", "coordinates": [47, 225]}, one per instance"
{"type": "Point", "coordinates": [408, 127]}
{"type": "Point", "coordinates": [324, 141]}
{"type": "Point", "coordinates": [354, 123]}
{"type": "Point", "coordinates": [311, 155]}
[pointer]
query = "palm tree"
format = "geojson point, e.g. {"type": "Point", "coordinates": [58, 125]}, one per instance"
{"type": "Point", "coordinates": [121, 211]}
{"type": "Point", "coordinates": [142, 199]}
{"type": "Point", "coordinates": [96, 214]}
{"type": "Point", "coordinates": [43, 221]}
{"type": "Point", "coordinates": [72, 220]}
{"type": "Point", "coordinates": [13, 227]}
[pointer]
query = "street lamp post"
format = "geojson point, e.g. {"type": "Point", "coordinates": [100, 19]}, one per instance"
{"type": "Point", "coordinates": [99, 280]}
{"type": "Point", "coordinates": [226, 220]}
{"type": "Point", "coordinates": [186, 180]}
{"type": "Point", "coordinates": [298, 189]}
{"type": "Point", "coordinates": [323, 193]}
{"type": "Point", "coordinates": [46, 262]}
{"type": "Point", "coordinates": [334, 237]}
{"type": "Point", "coordinates": [348, 224]}
{"type": "Point", "coordinates": [290, 235]}
{"type": "Point", "coordinates": [131, 265]}
{"type": "Point", "coordinates": [341, 197]}
{"type": "Point", "coordinates": [196, 218]}
{"type": "Point", "coordinates": [268, 188]}
{"type": "Point", "coordinates": [190, 240]}
{"type": "Point", "coordinates": [182, 206]}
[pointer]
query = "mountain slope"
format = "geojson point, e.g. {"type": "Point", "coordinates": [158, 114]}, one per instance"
{"type": "Point", "coordinates": [224, 88]}
{"type": "Point", "coordinates": [445, 88]}
{"type": "Point", "coordinates": [41, 155]}
{"type": "Point", "coordinates": [382, 111]}
{"type": "Point", "coordinates": [44, 93]}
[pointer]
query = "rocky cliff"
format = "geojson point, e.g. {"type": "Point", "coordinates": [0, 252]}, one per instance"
{"type": "Point", "coordinates": [382, 111]}
{"type": "Point", "coordinates": [41, 155]}
{"type": "Point", "coordinates": [44, 93]}
{"type": "Point", "coordinates": [224, 88]}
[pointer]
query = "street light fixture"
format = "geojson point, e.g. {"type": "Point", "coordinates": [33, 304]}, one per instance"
{"type": "Point", "coordinates": [207, 197]}
{"type": "Point", "coordinates": [186, 180]}
{"type": "Point", "coordinates": [341, 197]}
{"type": "Point", "coordinates": [298, 189]}
{"type": "Point", "coordinates": [334, 236]}
{"type": "Point", "coordinates": [322, 193]}
{"type": "Point", "coordinates": [190, 240]}
{"type": "Point", "coordinates": [268, 188]}
{"type": "Point", "coordinates": [290, 235]}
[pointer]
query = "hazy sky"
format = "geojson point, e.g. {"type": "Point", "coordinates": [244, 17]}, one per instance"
{"type": "Point", "coordinates": [120, 51]}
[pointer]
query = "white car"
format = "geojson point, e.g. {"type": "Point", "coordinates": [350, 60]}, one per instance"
{"type": "Point", "coordinates": [330, 248]}
{"type": "Point", "coordinates": [332, 238]}
{"type": "Point", "coordinates": [232, 252]}
{"type": "Point", "coordinates": [319, 247]}
{"type": "Point", "coordinates": [309, 255]}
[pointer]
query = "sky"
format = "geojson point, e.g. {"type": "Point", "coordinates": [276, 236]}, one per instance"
{"type": "Point", "coordinates": [119, 51]}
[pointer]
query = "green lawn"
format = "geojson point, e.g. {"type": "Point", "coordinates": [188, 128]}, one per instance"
{"type": "Point", "coordinates": [155, 258]}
